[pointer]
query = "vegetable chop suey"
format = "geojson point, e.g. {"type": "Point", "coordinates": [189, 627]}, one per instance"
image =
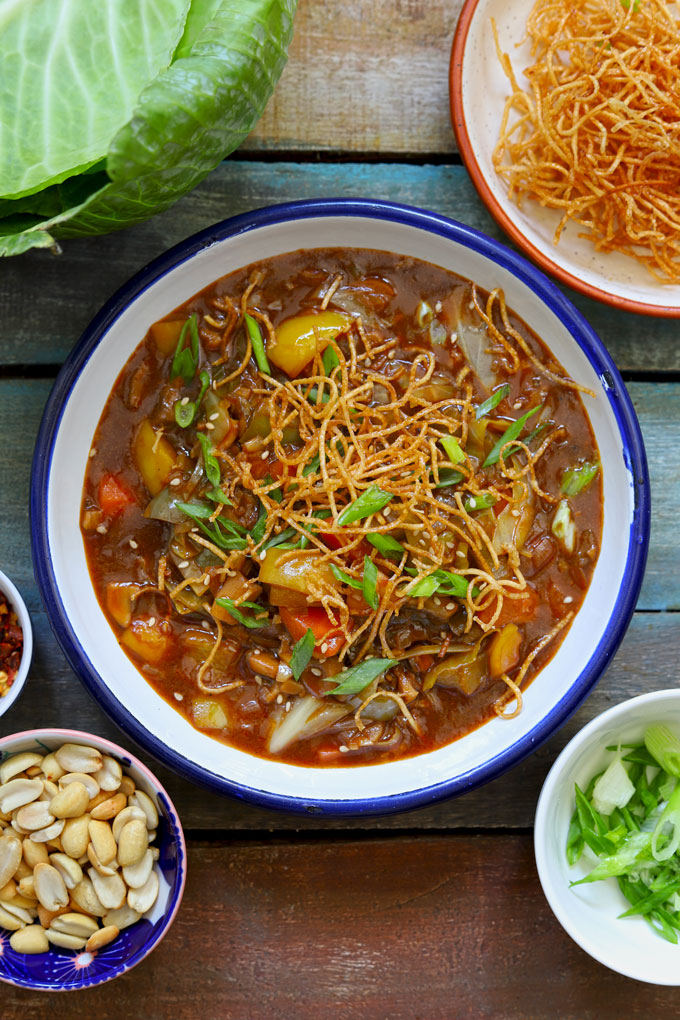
{"type": "Point", "coordinates": [341, 507]}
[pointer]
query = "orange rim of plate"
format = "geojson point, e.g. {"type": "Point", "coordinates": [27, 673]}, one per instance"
{"type": "Point", "coordinates": [492, 203]}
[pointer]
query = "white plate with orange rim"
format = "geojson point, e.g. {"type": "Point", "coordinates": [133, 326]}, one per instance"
{"type": "Point", "coordinates": [478, 89]}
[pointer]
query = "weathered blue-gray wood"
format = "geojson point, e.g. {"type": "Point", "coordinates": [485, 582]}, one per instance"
{"type": "Point", "coordinates": [46, 301]}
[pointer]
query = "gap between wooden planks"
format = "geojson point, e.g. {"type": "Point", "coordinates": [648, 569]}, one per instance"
{"type": "Point", "coordinates": [423, 927]}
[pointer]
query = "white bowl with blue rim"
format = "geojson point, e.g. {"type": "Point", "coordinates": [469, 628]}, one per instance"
{"type": "Point", "coordinates": [63, 970]}
{"type": "Point", "coordinates": [71, 417]}
{"type": "Point", "coordinates": [589, 913]}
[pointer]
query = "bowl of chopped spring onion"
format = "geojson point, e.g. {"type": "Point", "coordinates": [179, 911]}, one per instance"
{"type": "Point", "coordinates": [607, 838]}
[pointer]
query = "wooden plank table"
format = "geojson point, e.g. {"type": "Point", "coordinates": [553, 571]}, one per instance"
{"type": "Point", "coordinates": [433, 914]}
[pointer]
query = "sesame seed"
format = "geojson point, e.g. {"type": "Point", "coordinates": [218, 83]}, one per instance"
{"type": "Point", "coordinates": [93, 451]}
{"type": "Point", "coordinates": [263, 555]}
{"type": "Point", "coordinates": [386, 512]}
{"type": "Point", "coordinates": [459, 552]}
{"type": "Point", "coordinates": [133, 544]}
{"type": "Point", "coordinates": [205, 624]}
{"type": "Point", "coordinates": [265, 455]}
{"type": "Point", "coordinates": [288, 706]}
{"type": "Point", "coordinates": [438, 307]}
{"type": "Point", "coordinates": [101, 528]}
{"type": "Point", "coordinates": [175, 481]}
{"type": "Point", "coordinates": [152, 621]}
{"type": "Point", "coordinates": [209, 426]}
{"type": "Point", "coordinates": [206, 579]}
{"type": "Point", "coordinates": [392, 354]}
{"type": "Point", "coordinates": [437, 601]}
{"type": "Point", "coordinates": [279, 699]}
{"type": "Point", "coordinates": [453, 338]}
{"type": "Point", "coordinates": [178, 697]}
{"type": "Point", "coordinates": [517, 405]}
{"type": "Point", "coordinates": [343, 748]}
{"type": "Point", "coordinates": [324, 648]}
{"type": "Point", "coordinates": [471, 306]}
{"type": "Point", "coordinates": [184, 401]}
{"type": "Point", "coordinates": [214, 416]}
{"type": "Point", "coordinates": [316, 671]}
{"type": "Point", "coordinates": [568, 599]}
{"type": "Point", "coordinates": [472, 503]}
{"type": "Point", "coordinates": [515, 513]}
{"type": "Point", "coordinates": [450, 605]}
{"type": "Point", "coordinates": [183, 564]}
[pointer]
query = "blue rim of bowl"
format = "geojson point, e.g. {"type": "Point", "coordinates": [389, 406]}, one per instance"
{"type": "Point", "coordinates": [176, 835]}
{"type": "Point", "coordinates": [562, 308]}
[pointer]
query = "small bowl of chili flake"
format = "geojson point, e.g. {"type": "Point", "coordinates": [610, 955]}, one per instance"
{"type": "Point", "coordinates": [16, 643]}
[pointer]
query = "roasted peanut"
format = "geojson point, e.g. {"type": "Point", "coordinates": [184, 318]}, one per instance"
{"type": "Point", "coordinates": [79, 758]}
{"type": "Point", "coordinates": [49, 887]}
{"type": "Point", "coordinates": [31, 939]}
{"type": "Point", "coordinates": [101, 938]}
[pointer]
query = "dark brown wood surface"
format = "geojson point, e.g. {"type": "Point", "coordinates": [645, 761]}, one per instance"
{"type": "Point", "coordinates": [437, 913]}
{"type": "Point", "coordinates": [447, 927]}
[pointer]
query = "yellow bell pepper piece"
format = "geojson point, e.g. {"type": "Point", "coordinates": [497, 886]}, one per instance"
{"type": "Point", "coordinates": [166, 334]}
{"type": "Point", "coordinates": [154, 457]}
{"type": "Point", "coordinates": [298, 339]}
{"type": "Point", "coordinates": [296, 571]}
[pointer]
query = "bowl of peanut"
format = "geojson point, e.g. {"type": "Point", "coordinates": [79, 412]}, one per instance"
{"type": "Point", "coordinates": [92, 860]}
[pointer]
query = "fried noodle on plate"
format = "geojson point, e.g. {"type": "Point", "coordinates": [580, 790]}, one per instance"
{"type": "Point", "coordinates": [596, 134]}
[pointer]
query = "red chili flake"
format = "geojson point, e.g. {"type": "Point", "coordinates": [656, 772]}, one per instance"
{"type": "Point", "coordinates": [11, 645]}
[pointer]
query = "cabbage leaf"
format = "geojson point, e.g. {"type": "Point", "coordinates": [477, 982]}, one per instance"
{"type": "Point", "coordinates": [227, 56]}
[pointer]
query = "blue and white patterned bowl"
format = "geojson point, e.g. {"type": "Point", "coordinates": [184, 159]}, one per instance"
{"type": "Point", "coordinates": [62, 970]}
{"type": "Point", "coordinates": [61, 455]}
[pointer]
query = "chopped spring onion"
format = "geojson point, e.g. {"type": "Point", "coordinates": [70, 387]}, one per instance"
{"type": "Point", "coordinates": [211, 464]}
{"type": "Point", "coordinates": [629, 816]}
{"type": "Point", "coordinates": [302, 653]}
{"type": "Point", "coordinates": [186, 413]}
{"type": "Point", "coordinates": [369, 586]}
{"type": "Point", "coordinates": [369, 502]}
{"type": "Point", "coordinates": [575, 480]}
{"type": "Point", "coordinates": [257, 534]}
{"type": "Point", "coordinates": [312, 467]}
{"type": "Point", "coordinates": [447, 476]}
{"type": "Point", "coordinates": [255, 334]}
{"type": "Point", "coordinates": [452, 449]}
{"type": "Point", "coordinates": [274, 494]}
{"type": "Point", "coordinates": [261, 620]}
{"type": "Point", "coordinates": [443, 581]}
{"type": "Point", "coordinates": [215, 531]}
{"type": "Point", "coordinates": [512, 432]}
{"type": "Point", "coordinates": [481, 502]}
{"type": "Point", "coordinates": [492, 401]}
{"type": "Point", "coordinates": [185, 359]}
{"type": "Point", "coordinates": [283, 536]}
{"type": "Point", "coordinates": [345, 578]}
{"type": "Point", "coordinates": [386, 545]}
{"type": "Point", "coordinates": [353, 680]}
{"type": "Point", "coordinates": [219, 496]}
{"type": "Point", "coordinates": [664, 746]}
{"type": "Point", "coordinates": [330, 360]}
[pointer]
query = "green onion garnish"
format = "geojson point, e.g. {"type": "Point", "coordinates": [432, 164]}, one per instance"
{"type": "Point", "coordinates": [575, 480]}
{"type": "Point", "coordinates": [255, 334]}
{"type": "Point", "coordinates": [186, 413]}
{"type": "Point", "coordinates": [510, 433]}
{"type": "Point", "coordinates": [369, 502]}
{"type": "Point", "coordinates": [185, 359]}
{"type": "Point", "coordinates": [443, 581]}
{"type": "Point", "coordinates": [370, 581]}
{"type": "Point", "coordinates": [452, 449]}
{"type": "Point", "coordinates": [215, 531]}
{"type": "Point", "coordinates": [330, 360]}
{"type": "Point", "coordinates": [481, 502]}
{"type": "Point", "coordinates": [257, 534]}
{"type": "Point", "coordinates": [302, 653]}
{"type": "Point", "coordinates": [386, 545]}
{"type": "Point", "coordinates": [248, 621]}
{"type": "Point", "coordinates": [664, 746]}
{"type": "Point", "coordinates": [447, 476]}
{"type": "Point", "coordinates": [219, 496]}
{"type": "Point", "coordinates": [211, 465]}
{"type": "Point", "coordinates": [353, 681]}
{"type": "Point", "coordinates": [492, 401]}
{"type": "Point", "coordinates": [345, 578]}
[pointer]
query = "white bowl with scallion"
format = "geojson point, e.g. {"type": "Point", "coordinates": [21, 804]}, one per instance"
{"type": "Point", "coordinates": [607, 838]}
